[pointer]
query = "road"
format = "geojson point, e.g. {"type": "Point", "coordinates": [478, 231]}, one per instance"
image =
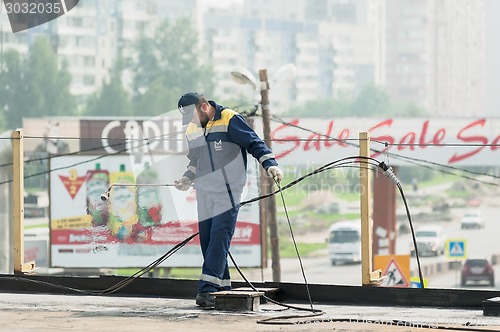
{"type": "Point", "coordinates": [318, 270]}
{"type": "Point", "coordinates": [451, 279]}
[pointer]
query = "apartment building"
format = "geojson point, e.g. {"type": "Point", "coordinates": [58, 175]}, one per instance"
{"type": "Point", "coordinates": [435, 55]}
{"type": "Point", "coordinates": [92, 36]}
{"type": "Point", "coordinates": [428, 52]}
{"type": "Point", "coordinates": [332, 56]}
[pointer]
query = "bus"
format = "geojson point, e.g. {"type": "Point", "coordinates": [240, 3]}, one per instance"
{"type": "Point", "coordinates": [344, 242]}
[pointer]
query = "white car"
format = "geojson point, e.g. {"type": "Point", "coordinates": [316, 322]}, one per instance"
{"type": "Point", "coordinates": [430, 241]}
{"type": "Point", "coordinates": [472, 219]}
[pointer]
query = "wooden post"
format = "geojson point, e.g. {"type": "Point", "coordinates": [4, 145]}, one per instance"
{"type": "Point", "coordinates": [270, 202]}
{"type": "Point", "coordinates": [367, 276]}
{"type": "Point", "coordinates": [18, 193]}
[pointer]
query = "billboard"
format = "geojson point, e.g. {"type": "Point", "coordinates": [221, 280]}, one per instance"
{"type": "Point", "coordinates": [446, 141]}
{"type": "Point", "coordinates": [139, 222]}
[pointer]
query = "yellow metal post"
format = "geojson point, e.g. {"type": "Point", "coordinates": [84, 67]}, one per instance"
{"type": "Point", "coordinates": [18, 193]}
{"type": "Point", "coordinates": [368, 276]}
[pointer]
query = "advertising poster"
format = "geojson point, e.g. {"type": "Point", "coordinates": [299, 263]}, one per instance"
{"type": "Point", "coordinates": [454, 142]}
{"type": "Point", "coordinates": [141, 219]}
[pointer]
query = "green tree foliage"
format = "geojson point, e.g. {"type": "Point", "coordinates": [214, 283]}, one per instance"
{"type": "Point", "coordinates": [11, 77]}
{"type": "Point", "coordinates": [112, 99]}
{"type": "Point", "coordinates": [35, 85]}
{"type": "Point", "coordinates": [406, 174]}
{"type": "Point", "coordinates": [339, 107]}
{"type": "Point", "coordinates": [167, 65]}
{"type": "Point", "coordinates": [372, 101]}
{"type": "Point", "coordinates": [409, 110]}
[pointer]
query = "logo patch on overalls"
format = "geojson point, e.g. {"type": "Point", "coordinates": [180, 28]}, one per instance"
{"type": "Point", "coordinates": [218, 145]}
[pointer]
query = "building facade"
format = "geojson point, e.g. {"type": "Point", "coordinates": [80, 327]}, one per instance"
{"type": "Point", "coordinates": [435, 55]}
{"type": "Point", "coordinates": [427, 52]}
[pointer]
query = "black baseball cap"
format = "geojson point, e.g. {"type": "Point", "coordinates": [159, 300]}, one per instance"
{"type": "Point", "coordinates": [186, 105]}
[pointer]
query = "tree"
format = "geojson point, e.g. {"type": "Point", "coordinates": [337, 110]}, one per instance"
{"type": "Point", "coordinates": [166, 66]}
{"type": "Point", "coordinates": [35, 85]}
{"type": "Point", "coordinates": [48, 82]}
{"type": "Point", "coordinates": [12, 81]}
{"type": "Point", "coordinates": [112, 99]}
{"type": "Point", "coordinates": [372, 101]}
{"type": "Point", "coordinates": [409, 110]}
{"type": "Point", "coordinates": [335, 107]}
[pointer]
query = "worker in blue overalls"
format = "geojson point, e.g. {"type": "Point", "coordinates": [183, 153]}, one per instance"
{"type": "Point", "coordinates": [218, 141]}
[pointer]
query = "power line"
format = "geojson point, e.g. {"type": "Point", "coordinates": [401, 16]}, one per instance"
{"type": "Point", "coordinates": [146, 141]}
{"type": "Point", "coordinates": [416, 161]}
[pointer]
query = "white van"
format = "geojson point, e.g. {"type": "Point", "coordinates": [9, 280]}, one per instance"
{"type": "Point", "coordinates": [344, 242]}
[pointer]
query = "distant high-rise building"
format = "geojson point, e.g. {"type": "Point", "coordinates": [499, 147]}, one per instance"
{"type": "Point", "coordinates": [435, 55]}
{"type": "Point", "coordinates": [332, 56]}
{"type": "Point", "coordinates": [96, 33]}
{"type": "Point", "coordinates": [87, 40]}
{"type": "Point", "coordinates": [428, 52]}
{"type": "Point", "coordinates": [492, 54]}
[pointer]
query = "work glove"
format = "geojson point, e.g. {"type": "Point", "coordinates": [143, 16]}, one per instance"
{"type": "Point", "coordinates": [183, 184]}
{"type": "Point", "coordinates": [276, 173]}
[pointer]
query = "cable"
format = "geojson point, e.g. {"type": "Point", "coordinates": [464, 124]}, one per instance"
{"type": "Point", "coordinates": [344, 162]}
{"type": "Point", "coordinates": [283, 320]}
{"type": "Point", "coordinates": [315, 312]}
{"type": "Point", "coordinates": [146, 142]}
{"type": "Point", "coordinates": [265, 296]}
{"type": "Point", "coordinates": [325, 167]}
{"type": "Point", "coordinates": [340, 163]}
{"type": "Point", "coordinates": [388, 171]}
{"type": "Point", "coordinates": [451, 173]}
{"type": "Point", "coordinates": [412, 236]}
{"type": "Point", "coordinates": [105, 196]}
{"type": "Point", "coordinates": [141, 272]}
{"type": "Point", "coordinates": [114, 288]}
{"type": "Point", "coordinates": [295, 245]}
{"type": "Point", "coordinates": [148, 268]}
{"type": "Point", "coordinates": [390, 174]}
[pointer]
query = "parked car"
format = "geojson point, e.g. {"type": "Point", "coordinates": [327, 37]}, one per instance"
{"type": "Point", "coordinates": [472, 219]}
{"type": "Point", "coordinates": [430, 241]}
{"type": "Point", "coordinates": [477, 269]}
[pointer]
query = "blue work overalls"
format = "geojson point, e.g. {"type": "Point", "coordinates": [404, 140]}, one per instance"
{"type": "Point", "coordinates": [218, 163]}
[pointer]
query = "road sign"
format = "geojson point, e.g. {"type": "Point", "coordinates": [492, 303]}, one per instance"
{"type": "Point", "coordinates": [456, 249]}
{"type": "Point", "coordinates": [396, 269]}
{"type": "Point", "coordinates": [415, 282]}
{"type": "Point", "coordinates": [394, 276]}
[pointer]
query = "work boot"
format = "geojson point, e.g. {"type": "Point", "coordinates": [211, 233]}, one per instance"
{"type": "Point", "coordinates": [206, 300]}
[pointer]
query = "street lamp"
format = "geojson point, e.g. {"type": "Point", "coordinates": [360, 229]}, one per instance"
{"type": "Point", "coordinates": [285, 73]}
{"type": "Point", "coordinates": [244, 76]}
{"type": "Point", "coordinates": [268, 207]}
